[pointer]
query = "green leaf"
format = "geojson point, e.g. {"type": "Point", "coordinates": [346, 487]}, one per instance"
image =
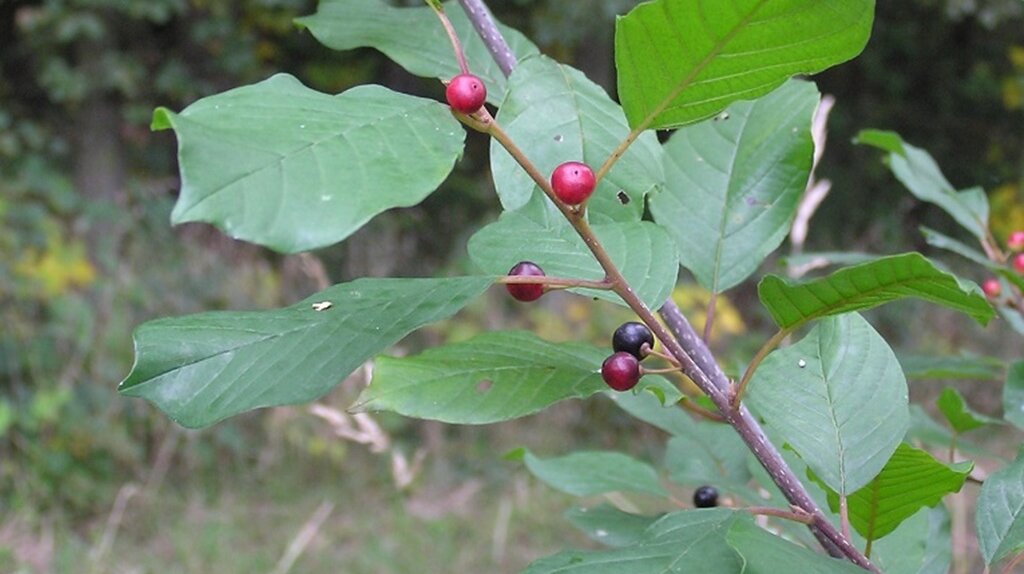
{"type": "Point", "coordinates": [765, 553]}
{"type": "Point", "coordinates": [495, 376]}
{"type": "Point", "coordinates": [920, 545]}
{"type": "Point", "coordinates": [710, 454]}
{"type": "Point", "coordinates": [555, 114]}
{"type": "Point", "coordinates": [732, 185]}
{"type": "Point", "coordinates": [936, 239]}
{"type": "Point", "coordinates": [688, 541]}
{"type": "Point", "coordinates": [281, 165]}
{"type": "Point", "coordinates": [960, 416]}
{"type": "Point", "coordinates": [609, 525]}
{"type": "Point", "coordinates": [838, 397]}
{"type": "Point", "coordinates": [586, 473]}
{"type": "Point", "coordinates": [1013, 395]}
{"type": "Point", "coordinates": [1014, 318]}
{"type": "Point", "coordinates": [413, 38]}
{"type": "Point", "coordinates": [679, 61]}
{"type": "Point", "coordinates": [199, 369]}
{"type": "Point", "coordinates": [961, 367]}
{"type": "Point", "coordinates": [916, 170]}
{"type": "Point", "coordinates": [869, 285]}
{"type": "Point", "coordinates": [999, 518]}
{"type": "Point", "coordinates": [911, 480]}
{"type": "Point", "coordinates": [926, 431]}
{"type": "Point", "coordinates": [643, 251]}
{"type": "Point", "coordinates": [817, 260]}
{"type": "Point", "coordinates": [647, 408]}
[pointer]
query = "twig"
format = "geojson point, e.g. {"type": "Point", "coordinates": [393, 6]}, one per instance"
{"type": "Point", "coordinates": [688, 404]}
{"type": "Point", "coordinates": [304, 537]}
{"type": "Point", "coordinates": [844, 516]}
{"type": "Point", "coordinates": [797, 514]}
{"type": "Point", "coordinates": [113, 522]}
{"type": "Point", "coordinates": [1009, 568]}
{"type": "Point", "coordinates": [552, 282]}
{"type": "Point", "coordinates": [486, 28]}
{"type": "Point", "coordinates": [768, 347]}
{"type": "Point", "coordinates": [453, 37]}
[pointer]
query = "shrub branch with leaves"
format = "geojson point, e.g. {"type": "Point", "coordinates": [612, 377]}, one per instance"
{"type": "Point", "coordinates": [292, 169]}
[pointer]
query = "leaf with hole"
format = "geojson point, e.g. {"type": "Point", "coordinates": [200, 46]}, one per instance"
{"type": "Point", "coordinates": [293, 169]}
{"type": "Point", "coordinates": [869, 285]}
{"type": "Point", "coordinates": [732, 185]}
{"type": "Point", "coordinates": [199, 369]}
{"type": "Point", "coordinates": [815, 393]}
{"type": "Point", "coordinates": [680, 61]}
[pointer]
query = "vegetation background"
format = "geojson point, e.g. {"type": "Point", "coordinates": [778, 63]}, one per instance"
{"type": "Point", "coordinates": [90, 481]}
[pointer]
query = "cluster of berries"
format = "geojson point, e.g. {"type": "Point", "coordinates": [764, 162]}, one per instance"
{"type": "Point", "coordinates": [1015, 243]}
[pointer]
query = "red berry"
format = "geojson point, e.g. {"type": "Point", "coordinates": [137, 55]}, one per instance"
{"type": "Point", "coordinates": [991, 287]}
{"type": "Point", "coordinates": [466, 93]}
{"type": "Point", "coordinates": [1016, 241]}
{"type": "Point", "coordinates": [621, 371]}
{"type": "Point", "coordinates": [525, 291]}
{"type": "Point", "coordinates": [573, 182]}
{"type": "Point", "coordinates": [1018, 263]}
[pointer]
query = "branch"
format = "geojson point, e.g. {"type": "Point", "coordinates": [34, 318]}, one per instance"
{"type": "Point", "coordinates": [707, 375]}
{"type": "Point", "coordinates": [488, 31]}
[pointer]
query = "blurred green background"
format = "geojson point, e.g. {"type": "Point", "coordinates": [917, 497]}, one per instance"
{"type": "Point", "coordinates": [92, 482]}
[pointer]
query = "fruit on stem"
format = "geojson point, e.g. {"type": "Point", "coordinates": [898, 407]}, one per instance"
{"type": "Point", "coordinates": [991, 287]}
{"type": "Point", "coordinates": [466, 93]}
{"type": "Point", "coordinates": [526, 291]}
{"type": "Point", "coordinates": [621, 371]}
{"type": "Point", "coordinates": [573, 182]}
{"type": "Point", "coordinates": [630, 338]}
{"type": "Point", "coordinates": [1016, 241]}
{"type": "Point", "coordinates": [705, 497]}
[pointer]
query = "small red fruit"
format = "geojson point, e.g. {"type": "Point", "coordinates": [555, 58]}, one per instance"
{"type": "Point", "coordinates": [573, 182]}
{"type": "Point", "coordinates": [526, 291]}
{"type": "Point", "coordinates": [991, 287]}
{"type": "Point", "coordinates": [1018, 263]}
{"type": "Point", "coordinates": [466, 93]}
{"type": "Point", "coordinates": [1016, 241]}
{"type": "Point", "coordinates": [621, 371]}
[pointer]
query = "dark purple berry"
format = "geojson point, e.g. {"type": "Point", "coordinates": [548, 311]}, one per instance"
{"type": "Point", "coordinates": [526, 291]}
{"type": "Point", "coordinates": [621, 371]}
{"type": "Point", "coordinates": [466, 93]}
{"type": "Point", "coordinates": [630, 337]}
{"type": "Point", "coordinates": [705, 497]}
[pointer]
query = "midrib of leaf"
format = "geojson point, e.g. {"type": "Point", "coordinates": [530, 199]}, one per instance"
{"type": "Point", "coordinates": [835, 423]}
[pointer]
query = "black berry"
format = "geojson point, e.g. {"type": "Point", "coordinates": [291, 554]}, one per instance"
{"type": "Point", "coordinates": [526, 291]}
{"type": "Point", "coordinates": [466, 93]}
{"type": "Point", "coordinates": [621, 371]}
{"type": "Point", "coordinates": [630, 337]}
{"type": "Point", "coordinates": [705, 497]}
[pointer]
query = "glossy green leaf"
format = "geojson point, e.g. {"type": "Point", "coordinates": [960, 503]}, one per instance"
{"type": "Point", "coordinates": [911, 480]}
{"type": "Point", "coordinates": [492, 377]}
{"type": "Point", "coordinates": [936, 239]}
{"type": "Point", "coordinates": [999, 517]}
{"type": "Point", "coordinates": [609, 525]}
{"type": "Point", "coordinates": [413, 38]}
{"type": "Point", "coordinates": [920, 545]}
{"type": "Point", "coordinates": [959, 415]}
{"type": "Point", "coordinates": [916, 170]}
{"type": "Point", "coordinates": [838, 397]}
{"type": "Point", "coordinates": [732, 184]}
{"type": "Point", "coordinates": [766, 553]}
{"type": "Point", "coordinates": [555, 114]}
{"type": "Point", "coordinates": [679, 61]}
{"type": "Point", "coordinates": [869, 285]}
{"type": "Point", "coordinates": [688, 541]}
{"type": "Point", "coordinates": [1013, 395]}
{"type": "Point", "coordinates": [284, 166]}
{"type": "Point", "coordinates": [586, 473]}
{"type": "Point", "coordinates": [954, 367]}
{"type": "Point", "coordinates": [643, 251]}
{"type": "Point", "coordinates": [199, 369]}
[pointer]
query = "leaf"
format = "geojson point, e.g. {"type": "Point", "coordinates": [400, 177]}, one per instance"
{"type": "Point", "coordinates": [688, 541]}
{"type": "Point", "coordinates": [869, 285]}
{"type": "Point", "coordinates": [765, 553]}
{"type": "Point", "coordinates": [666, 416]}
{"type": "Point", "coordinates": [1013, 395]}
{"type": "Point", "coordinates": [936, 239]}
{"type": "Point", "coordinates": [679, 61]}
{"type": "Point", "coordinates": [1014, 318]}
{"type": "Point", "coordinates": [281, 165]}
{"type": "Point", "coordinates": [199, 369]}
{"type": "Point", "coordinates": [961, 367]}
{"type": "Point", "coordinates": [413, 38]}
{"type": "Point", "coordinates": [556, 114]}
{"type": "Point", "coordinates": [710, 454]}
{"type": "Point", "coordinates": [960, 416]}
{"type": "Point", "coordinates": [920, 545]}
{"type": "Point", "coordinates": [493, 377]}
{"type": "Point", "coordinates": [609, 525]}
{"type": "Point", "coordinates": [817, 260]}
{"type": "Point", "coordinates": [911, 480]}
{"type": "Point", "coordinates": [999, 518]}
{"type": "Point", "coordinates": [838, 397]}
{"type": "Point", "coordinates": [916, 170]}
{"type": "Point", "coordinates": [732, 185]}
{"type": "Point", "coordinates": [586, 473]}
{"type": "Point", "coordinates": [926, 431]}
{"type": "Point", "coordinates": [642, 250]}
